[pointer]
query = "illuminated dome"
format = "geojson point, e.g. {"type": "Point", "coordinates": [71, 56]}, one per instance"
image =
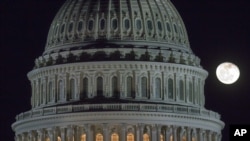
{"type": "Point", "coordinates": [118, 70]}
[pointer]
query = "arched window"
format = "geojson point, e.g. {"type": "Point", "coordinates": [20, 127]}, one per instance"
{"type": "Point", "coordinates": [159, 26]}
{"type": "Point", "coordinates": [41, 94]}
{"type": "Point", "coordinates": [91, 25]}
{"type": "Point", "coordinates": [62, 28]}
{"type": "Point", "coordinates": [190, 92]}
{"type": "Point", "coordinates": [114, 137]}
{"type": "Point", "coordinates": [47, 139]}
{"type": "Point", "coordinates": [83, 137]}
{"type": "Point", "coordinates": [161, 137]}
{"type": "Point", "coordinates": [138, 24]}
{"type": "Point", "coordinates": [50, 93]}
{"type": "Point", "coordinates": [85, 87]}
{"type": "Point", "coordinates": [59, 138]}
{"type": "Point", "coordinates": [171, 138]}
{"type": "Point", "coordinates": [61, 91]}
{"type": "Point", "coordinates": [99, 137]}
{"type": "Point", "coordinates": [80, 26]}
{"type": "Point", "coordinates": [150, 25]}
{"type": "Point", "coordinates": [175, 28]}
{"type": "Point", "coordinates": [158, 88]}
{"type": "Point", "coordinates": [168, 27]}
{"type": "Point", "coordinates": [70, 29]}
{"type": "Point", "coordinates": [99, 86]}
{"type": "Point", "coordinates": [146, 137]}
{"type": "Point", "coordinates": [72, 89]}
{"type": "Point", "coordinates": [130, 137]}
{"type": "Point", "coordinates": [184, 138]}
{"type": "Point", "coordinates": [181, 85]}
{"type": "Point", "coordinates": [193, 139]}
{"type": "Point", "coordinates": [114, 86]}
{"type": "Point", "coordinates": [170, 88]}
{"type": "Point", "coordinates": [144, 87]}
{"type": "Point", "coordinates": [129, 86]}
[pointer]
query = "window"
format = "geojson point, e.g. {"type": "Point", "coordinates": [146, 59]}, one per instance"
{"type": "Point", "coordinates": [175, 28]}
{"type": "Point", "coordinates": [159, 26]}
{"type": "Point", "coordinates": [99, 86]}
{"type": "Point", "coordinates": [47, 139]}
{"type": "Point", "coordinates": [70, 27]}
{"type": "Point", "coordinates": [183, 138]}
{"type": "Point", "coordinates": [181, 85]}
{"type": "Point", "coordinates": [114, 86]}
{"type": "Point", "coordinates": [114, 24]}
{"type": "Point", "coordinates": [126, 24]}
{"type": "Point", "coordinates": [161, 137]}
{"type": "Point", "coordinates": [85, 87]}
{"type": "Point", "coordinates": [41, 94]}
{"type": "Point", "coordinates": [50, 93]}
{"type": "Point", "coordinates": [59, 138]}
{"type": "Point", "coordinates": [72, 89]}
{"type": "Point", "coordinates": [190, 92]}
{"type": "Point", "coordinates": [62, 28]}
{"type": "Point", "coordinates": [146, 137]}
{"type": "Point", "coordinates": [130, 137]}
{"type": "Point", "coordinates": [91, 25]}
{"type": "Point", "coordinates": [83, 137]}
{"type": "Point", "coordinates": [193, 139]}
{"type": "Point", "coordinates": [80, 26]}
{"type": "Point", "coordinates": [138, 24]}
{"type": "Point", "coordinates": [158, 88]}
{"type": "Point", "coordinates": [150, 25]}
{"type": "Point", "coordinates": [129, 86]}
{"type": "Point", "coordinates": [61, 91]}
{"type": "Point", "coordinates": [171, 138]}
{"type": "Point", "coordinates": [114, 137]}
{"type": "Point", "coordinates": [102, 24]}
{"type": "Point", "coordinates": [170, 88]}
{"type": "Point", "coordinates": [99, 137]}
{"type": "Point", "coordinates": [168, 27]}
{"type": "Point", "coordinates": [144, 87]}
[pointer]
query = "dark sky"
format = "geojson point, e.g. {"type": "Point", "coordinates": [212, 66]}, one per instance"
{"type": "Point", "coordinates": [218, 31]}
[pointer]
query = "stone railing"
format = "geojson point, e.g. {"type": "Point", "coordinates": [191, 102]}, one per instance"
{"type": "Point", "coordinates": [119, 107]}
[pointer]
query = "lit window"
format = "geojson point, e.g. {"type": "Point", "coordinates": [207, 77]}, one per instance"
{"type": "Point", "coordinates": [161, 138]}
{"type": "Point", "coordinates": [59, 138]}
{"type": "Point", "coordinates": [184, 138]}
{"type": "Point", "coordinates": [170, 88]}
{"type": "Point", "coordinates": [130, 137]}
{"type": "Point", "coordinates": [83, 137]}
{"type": "Point", "coordinates": [99, 137]}
{"type": "Point", "coordinates": [114, 137]}
{"type": "Point", "coordinates": [193, 139]}
{"type": "Point", "coordinates": [158, 88]}
{"type": "Point", "coordinates": [144, 87]}
{"type": "Point", "coordinates": [171, 138]}
{"type": "Point", "coordinates": [47, 139]}
{"type": "Point", "coordinates": [181, 85]}
{"type": "Point", "coordinates": [146, 137]}
{"type": "Point", "coordinates": [129, 86]}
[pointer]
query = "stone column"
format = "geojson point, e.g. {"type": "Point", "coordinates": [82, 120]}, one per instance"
{"type": "Point", "coordinates": [154, 133]}
{"type": "Point", "coordinates": [62, 131]}
{"type": "Point", "coordinates": [123, 132]}
{"type": "Point", "coordinates": [175, 133]}
{"type": "Point", "coordinates": [210, 135]}
{"type": "Point", "coordinates": [201, 135]}
{"type": "Point", "coordinates": [137, 132]}
{"type": "Point", "coordinates": [189, 137]}
{"type": "Point", "coordinates": [89, 134]}
{"type": "Point", "coordinates": [40, 136]}
{"type": "Point", "coordinates": [158, 135]}
{"type": "Point", "coordinates": [51, 134]}
{"type": "Point", "coordinates": [105, 132]}
{"type": "Point", "coordinates": [70, 133]}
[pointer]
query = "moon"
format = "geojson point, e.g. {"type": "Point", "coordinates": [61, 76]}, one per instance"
{"type": "Point", "coordinates": [227, 73]}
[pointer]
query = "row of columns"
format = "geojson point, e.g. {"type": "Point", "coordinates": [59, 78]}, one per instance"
{"type": "Point", "coordinates": [57, 88]}
{"type": "Point", "coordinates": [88, 132]}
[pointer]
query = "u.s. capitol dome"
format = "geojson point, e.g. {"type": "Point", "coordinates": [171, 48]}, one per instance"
{"type": "Point", "coordinates": [117, 70]}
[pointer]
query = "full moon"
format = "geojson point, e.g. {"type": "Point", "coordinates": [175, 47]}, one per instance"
{"type": "Point", "coordinates": [227, 73]}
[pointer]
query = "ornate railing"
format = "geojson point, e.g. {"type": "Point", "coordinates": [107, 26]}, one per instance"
{"type": "Point", "coordinates": [119, 107]}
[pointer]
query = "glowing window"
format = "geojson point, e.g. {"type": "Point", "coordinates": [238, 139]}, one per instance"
{"type": "Point", "coordinates": [193, 139]}
{"type": "Point", "coordinates": [47, 139]}
{"type": "Point", "coordinates": [146, 137]}
{"type": "Point", "coordinates": [144, 87]}
{"type": "Point", "coordinates": [59, 138]}
{"type": "Point", "coordinates": [129, 86]}
{"type": "Point", "coordinates": [114, 137]}
{"type": "Point", "coordinates": [83, 137]}
{"type": "Point", "coordinates": [161, 138]}
{"type": "Point", "coordinates": [171, 138]}
{"type": "Point", "coordinates": [158, 88]}
{"type": "Point", "coordinates": [130, 137]}
{"type": "Point", "coordinates": [170, 88]}
{"type": "Point", "coordinates": [183, 138]}
{"type": "Point", "coordinates": [99, 137]}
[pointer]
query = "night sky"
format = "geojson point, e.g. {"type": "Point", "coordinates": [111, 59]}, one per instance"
{"type": "Point", "coordinates": [218, 31]}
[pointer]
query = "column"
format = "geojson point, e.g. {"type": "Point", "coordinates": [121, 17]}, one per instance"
{"type": "Point", "coordinates": [137, 84]}
{"type": "Point", "coordinates": [51, 134]}
{"type": "Point", "coordinates": [159, 133]}
{"type": "Point", "coordinates": [70, 133]}
{"type": "Point", "coordinates": [106, 135]}
{"type": "Point", "coordinates": [154, 133]}
{"type": "Point", "coordinates": [201, 135]}
{"type": "Point", "coordinates": [175, 132]}
{"type": "Point", "coordinates": [210, 135]}
{"type": "Point", "coordinates": [123, 133]}
{"type": "Point", "coordinates": [40, 136]}
{"type": "Point", "coordinates": [189, 136]}
{"type": "Point", "coordinates": [62, 132]}
{"type": "Point", "coordinates": [89, 135]}
{"type": "Point", "coordinates": [137, 133]}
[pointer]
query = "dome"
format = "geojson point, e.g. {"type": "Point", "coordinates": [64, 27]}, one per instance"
{"type": "Point", "coordinates": [83, 23]}
{"type": "Point", "coordinates": [119, 70]}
